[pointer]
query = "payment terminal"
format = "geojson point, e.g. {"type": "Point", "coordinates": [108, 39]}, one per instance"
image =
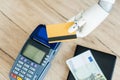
{"type": "Point", "coordinates": [35, 57]}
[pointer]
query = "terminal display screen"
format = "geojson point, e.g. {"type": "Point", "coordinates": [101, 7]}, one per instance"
{"type": "Point", "coordinates": [33, 53]}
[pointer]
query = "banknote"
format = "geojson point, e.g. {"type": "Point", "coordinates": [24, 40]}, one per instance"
{"type": "Point", "coordinates": [84, 67]}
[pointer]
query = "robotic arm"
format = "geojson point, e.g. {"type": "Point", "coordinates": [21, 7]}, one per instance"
{"type": "Point", "coordinates": [87, 21]}
{"type": "Point", "coordinates": [106, 4]}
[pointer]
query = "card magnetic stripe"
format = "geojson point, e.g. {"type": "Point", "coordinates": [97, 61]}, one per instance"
{"type": "Point", "coordinates": [59, 32]}
{"type": "Point", "coordinates": [60, 38]}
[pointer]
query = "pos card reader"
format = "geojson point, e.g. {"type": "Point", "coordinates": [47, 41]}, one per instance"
{"type": "Point", "coordinates": [35, 57]}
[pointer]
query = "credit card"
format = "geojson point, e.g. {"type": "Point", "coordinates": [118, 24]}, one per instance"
{"type": "Point", "coordinates": [59, 32]}
{"type": "Point", "coordinates": [84, 67]}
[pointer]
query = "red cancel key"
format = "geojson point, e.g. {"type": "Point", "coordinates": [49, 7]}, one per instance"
{"type": "Point", "coordinates": [13, 75]}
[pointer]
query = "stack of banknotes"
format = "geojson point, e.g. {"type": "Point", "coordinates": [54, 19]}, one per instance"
{"type": "Point", "coordinates": [85, 67]}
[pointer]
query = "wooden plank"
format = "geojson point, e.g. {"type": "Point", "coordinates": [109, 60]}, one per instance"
{"type": "Point", "coordinates": [11, 36]}
{"type": "Point", "coordinates": [116, 74]}
{"type": "Point", "coordinates": [28, 14]}
{"type": "Point", "coordinates": [5, 65]}
{"type": "Point", "coordinates": [69, 8]}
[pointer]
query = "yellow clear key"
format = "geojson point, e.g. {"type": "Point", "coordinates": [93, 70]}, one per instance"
{"type": "Point", "coordinates": [19, 78]}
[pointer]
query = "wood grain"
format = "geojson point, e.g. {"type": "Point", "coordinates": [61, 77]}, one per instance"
{"type": "Point", "coordinates": [18, 18]}
{"type": "Point", "coordinates": [6, 62]}
{"type": "Point", "coordinates": [11, 36]}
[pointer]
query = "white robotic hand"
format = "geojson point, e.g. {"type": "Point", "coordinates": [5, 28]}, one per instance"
{"type": "Point", "coordinates": [87, 21]}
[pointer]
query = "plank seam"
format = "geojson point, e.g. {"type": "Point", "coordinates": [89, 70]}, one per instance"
{"type": "Point", "coordinates": [54, 10]}
{"type": "Point", "coordinates": [6, 53]}
{"type": "Point", "coordinates": [12, 21]}
{"type": "Point", "coordinates": [107, 47]}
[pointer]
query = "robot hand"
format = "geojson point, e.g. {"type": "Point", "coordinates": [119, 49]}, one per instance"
{"type": "Point", "coordinates": [87, 21]}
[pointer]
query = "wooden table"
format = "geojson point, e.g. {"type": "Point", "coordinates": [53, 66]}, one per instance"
{"type": "Point", "coordinates": [18, 18]}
